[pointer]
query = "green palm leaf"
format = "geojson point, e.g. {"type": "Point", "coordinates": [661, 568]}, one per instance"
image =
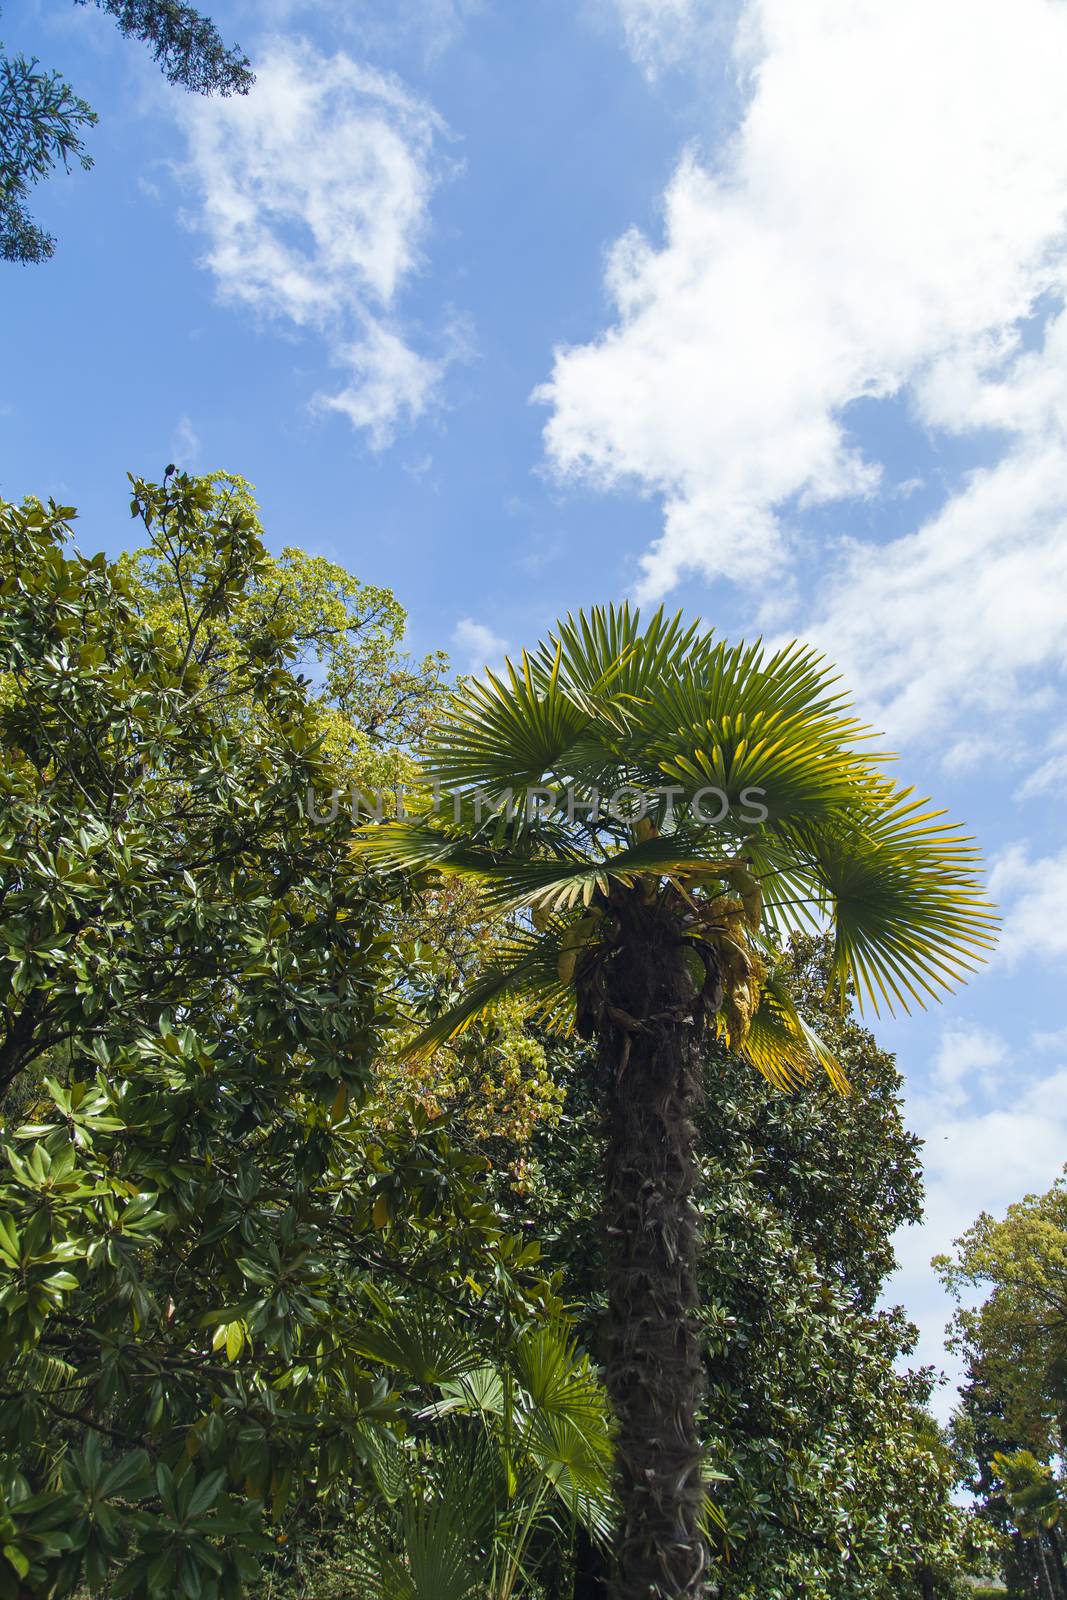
{"type": "Point", "coordinates": [900, 887]}
{"type": "Point", "coordinates": [511, 885]}
{"type": "Point", "coordinates": [412, 1339]}
{"type": "Point", "coordinates": [527, 968]}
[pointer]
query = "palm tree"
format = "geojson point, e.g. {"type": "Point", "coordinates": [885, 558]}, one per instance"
{"type": "Point", "coordinates": [650, 812]}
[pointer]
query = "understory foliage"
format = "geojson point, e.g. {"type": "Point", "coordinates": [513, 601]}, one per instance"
{"type": "Point", "coordinates": [496, 1476]}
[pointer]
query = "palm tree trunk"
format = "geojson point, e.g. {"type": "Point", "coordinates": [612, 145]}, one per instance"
{"type": "Point", "coordinates": [649, 1054]}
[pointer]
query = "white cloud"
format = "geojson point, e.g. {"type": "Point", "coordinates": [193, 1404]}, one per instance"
{"type": "Point", "coordinates": [388, 379]}
{"type": "Point", "coordinates": [893, 202]}
{"type": "Point", "coordinates": [1035, 893]}
{"type": "Point", "coordinates": [185, 443]}
{"type": "Point", "coordinates": [962, 617]}
{"type": "Point", "coordinates": [978, 1156]}
{"type": "Point", "coordinates": [380, 27]}
{"type": "Point", "coordinates": [478, 644]}
{"type": "Point", "coordinates": [667, 33]}
{"type": "Point", "coordinates": [315, 193]}
{"type": "Point", "coordinates": [1048, 776]}
{"type": "Point", "coordinates": [967, 1054]}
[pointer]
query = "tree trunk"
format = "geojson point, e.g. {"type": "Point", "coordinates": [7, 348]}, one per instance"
{"type": "Point", "coordinates": [650, 1057]}
{"type": "Point", "coordinates": [1042, 1566]}
{"type": "Point", "coordinates": [1057, 1559]}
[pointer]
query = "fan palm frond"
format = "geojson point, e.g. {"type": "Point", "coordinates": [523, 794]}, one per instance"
{"type": "Point", "coordinates": [516, 1444]}
{"type": "Point", "coordinates": [414, 1339]}
{"type": "Point", "coordinates": [526, 968]}
{"type": "Point", "coordinates": [782, 1046]}
{"type": "Point", "coordinates": [510, 885]}
{"type": "Point", "coordinates": [511, 730]}
{"type": "Point", "coordinates": [563, 1422]}
{"type": "Point", "coordinates": [435, 1557]}
{"type": "Point", "coordinates": [901, 889]}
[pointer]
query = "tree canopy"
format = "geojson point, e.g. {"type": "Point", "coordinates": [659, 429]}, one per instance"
{"type": "Point", "coordinates": [199, 1206]}
{"type": "Point", "coordinates": [1012, 1422]}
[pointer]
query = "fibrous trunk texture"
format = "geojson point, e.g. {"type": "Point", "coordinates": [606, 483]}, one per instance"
{"type": "Point", "coordinates": [649, 1052]}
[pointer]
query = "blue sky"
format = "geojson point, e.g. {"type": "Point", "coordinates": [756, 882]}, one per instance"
{"type": "Point", "coordinates": [755, 306]}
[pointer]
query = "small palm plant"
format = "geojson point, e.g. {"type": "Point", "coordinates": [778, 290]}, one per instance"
{"type": "Point", "coordinates": [650, 813]}
{"type": "Point", "coordinates": [509, 1458]}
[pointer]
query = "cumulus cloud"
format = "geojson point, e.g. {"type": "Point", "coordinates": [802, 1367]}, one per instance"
{"type": "Point", "coordinates": [892, 204]}
{"type": "Point", "coordinates": [967, 1053]}
{"type": "Point", "coordinates": [1035, 893]}
{"type": "Point", "coordinates": [478, 644]}
{"type": "Point", "coordinates": [964, 616]}
{"type": "Point", "coordinates": [314, 196]}
{"type": "Point", "coordinates": [388, 378]}
{"type": "Point", "coordinates": [978, 1156]}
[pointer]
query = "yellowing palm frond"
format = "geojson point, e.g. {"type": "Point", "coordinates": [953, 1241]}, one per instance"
{"type": "Point", "coordinates": [782, 1046]}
